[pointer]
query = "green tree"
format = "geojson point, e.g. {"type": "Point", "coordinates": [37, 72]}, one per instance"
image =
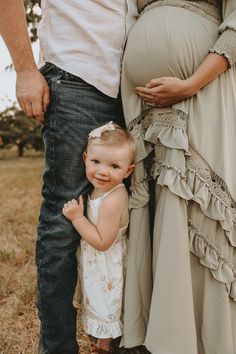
{"type": "Point", "coordinates": [32, 9]}
{"type": "Point", "coordinates": [16, 129]}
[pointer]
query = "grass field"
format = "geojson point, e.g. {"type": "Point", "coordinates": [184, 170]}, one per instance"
{"type": "Point", "coordinates": [20, 185]}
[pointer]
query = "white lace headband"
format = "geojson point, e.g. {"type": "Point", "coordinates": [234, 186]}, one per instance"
{"type": "Point", "coordinates": [97, 133]}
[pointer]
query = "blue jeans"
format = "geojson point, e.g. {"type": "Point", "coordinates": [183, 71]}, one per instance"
{"type": "Point", "coordinates": [75, 109]}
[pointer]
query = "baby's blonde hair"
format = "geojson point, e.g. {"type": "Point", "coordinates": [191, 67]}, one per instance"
{"type": "Point", "coordinates": [117, 137]}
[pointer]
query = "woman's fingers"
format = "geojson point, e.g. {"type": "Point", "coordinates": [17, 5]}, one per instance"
{"type": "Point", "coordinates": [146, 97]}
{"type": "Point", "coordinates": [163, 92]}
{"type": "Point", "coordinates": [154, 83]}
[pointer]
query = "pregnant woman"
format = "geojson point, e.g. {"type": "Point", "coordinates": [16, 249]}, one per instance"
{"type": "Point", "coordinates": [179, 96]}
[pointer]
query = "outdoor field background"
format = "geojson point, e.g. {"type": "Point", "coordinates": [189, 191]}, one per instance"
{"type": "Point", "coordinates": [20, 186]}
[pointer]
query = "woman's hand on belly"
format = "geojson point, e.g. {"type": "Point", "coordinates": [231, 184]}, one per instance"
{"type": "Point", "coordinates": [165, 91]}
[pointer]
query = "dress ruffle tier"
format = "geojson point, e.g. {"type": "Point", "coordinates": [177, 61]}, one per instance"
{"type": "Point", "coordinates": [187, 175]}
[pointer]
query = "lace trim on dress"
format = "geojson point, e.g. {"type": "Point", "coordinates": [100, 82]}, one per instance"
{"type": "Point", "coordinates": [207, 9]}
{"type": "Point", "coordinates": [216, 185]}
{"type": "Point", "coordinates": [139, 120]}
{"type": "Point", "coordinates": [161, 117]}
{"type": "Point", "coordinates": [213, 258]}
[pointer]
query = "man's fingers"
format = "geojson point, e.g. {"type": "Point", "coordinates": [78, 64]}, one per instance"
{"type": "Point", "coordinates": [33, 108]}
{"type": "Point", "coordinates": [22, 105]}
{"type": "Point", "coordinates": [28, 109]}
{"type": "Point", "coordinates": [46, 98]}
{"type": "Point", "coordinates": [40, 118]}
{"type": "Point", "coordinates": [32, 93]}
{"type": "Point", "coordinates": [37, 108]}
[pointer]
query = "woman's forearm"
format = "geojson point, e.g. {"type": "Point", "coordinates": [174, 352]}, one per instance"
{"type": "Point", "coordinates": [213, 66]}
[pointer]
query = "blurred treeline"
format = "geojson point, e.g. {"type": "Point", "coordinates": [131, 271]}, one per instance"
{"type": "Point", "coordinates": [15, 128]}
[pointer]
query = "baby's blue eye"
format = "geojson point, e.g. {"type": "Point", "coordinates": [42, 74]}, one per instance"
{"type": "Point", "coordinates": [95, 161]}
{"type": "Point", "coordinates": [115, 166]}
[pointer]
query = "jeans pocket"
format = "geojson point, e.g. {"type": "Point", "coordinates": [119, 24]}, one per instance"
{"type": "Point", "coordinates": [46, 69]}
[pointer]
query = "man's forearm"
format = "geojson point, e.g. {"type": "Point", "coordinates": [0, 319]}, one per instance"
{"type": "Point", "coordinates": [13, 29]}
{"type": "Point", "coordinates": [32, 91]}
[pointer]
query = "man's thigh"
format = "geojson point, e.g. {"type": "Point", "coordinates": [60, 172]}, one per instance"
{"type": "Point", "coordinates": [75, 109]}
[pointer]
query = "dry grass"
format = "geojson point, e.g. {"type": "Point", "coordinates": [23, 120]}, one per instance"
{"type": "Point", "coordinates": [20, 184]}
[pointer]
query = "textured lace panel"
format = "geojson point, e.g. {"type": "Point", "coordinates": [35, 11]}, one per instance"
{"type": "Point", "coordinates": [138, 121]}
{"type": "Point", "coordinates": [197, 164]}
{"type": "Point", "coordinates": [209, 9]}
{"type": "Point", "coordinates": [206, 240]}
{"type": "Point", "coordinates": [226, 45]}
{"type": "Point", "coordinates": [173, 118]}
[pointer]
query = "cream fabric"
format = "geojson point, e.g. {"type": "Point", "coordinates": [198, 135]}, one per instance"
{"type": "Point", "coordinates": [180, 296]}
{"type": "Point", "coordinates": [87, 38]}
{"type": "Point", "coordinates": [102, 279]}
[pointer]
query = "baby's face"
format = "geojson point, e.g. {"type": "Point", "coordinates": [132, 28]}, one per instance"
{"type": "Point", "coordinates": [107, 166]}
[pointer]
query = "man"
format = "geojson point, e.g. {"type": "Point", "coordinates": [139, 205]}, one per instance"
{"type": "Point", "coordinates": [81, 44]}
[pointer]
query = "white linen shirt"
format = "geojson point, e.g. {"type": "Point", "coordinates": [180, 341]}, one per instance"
{"type": "Point", "coordinates": [86, 38]}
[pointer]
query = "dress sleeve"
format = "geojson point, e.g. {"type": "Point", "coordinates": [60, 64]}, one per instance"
{"type": "Point", "coordinates": [226, 43]}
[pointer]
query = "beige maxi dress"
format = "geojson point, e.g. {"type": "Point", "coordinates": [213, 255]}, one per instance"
{"type": "Point", "coordinates": [181, 278]}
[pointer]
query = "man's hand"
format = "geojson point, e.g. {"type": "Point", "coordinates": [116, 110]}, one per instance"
{"type": "Point", "coordinates": [73, 209]}
{"type": "Point", "coordinates": [32, 93]}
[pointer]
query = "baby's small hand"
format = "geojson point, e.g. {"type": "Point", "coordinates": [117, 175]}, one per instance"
{"type": "Point", "coordinates": [72, 210]}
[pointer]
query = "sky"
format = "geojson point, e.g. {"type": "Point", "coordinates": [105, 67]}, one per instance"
{"type": "Point", "coordinates": [8, 78]}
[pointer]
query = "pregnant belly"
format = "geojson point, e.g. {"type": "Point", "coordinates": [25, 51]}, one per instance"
{"type": "Point", "coordinates": [167, 41]}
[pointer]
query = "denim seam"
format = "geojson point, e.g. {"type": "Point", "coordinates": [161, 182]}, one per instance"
{"type": "Point", "coordinates": [56, 83]}
{"type": "Point", "coordinates": [55, 86]}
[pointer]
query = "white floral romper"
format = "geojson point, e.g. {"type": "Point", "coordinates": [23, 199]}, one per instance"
{"type": "Point", "coordinates": [102, 278]}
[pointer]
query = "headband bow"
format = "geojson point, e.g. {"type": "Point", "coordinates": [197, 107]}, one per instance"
{"type": "Point", "coordinates": [97, 133]}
